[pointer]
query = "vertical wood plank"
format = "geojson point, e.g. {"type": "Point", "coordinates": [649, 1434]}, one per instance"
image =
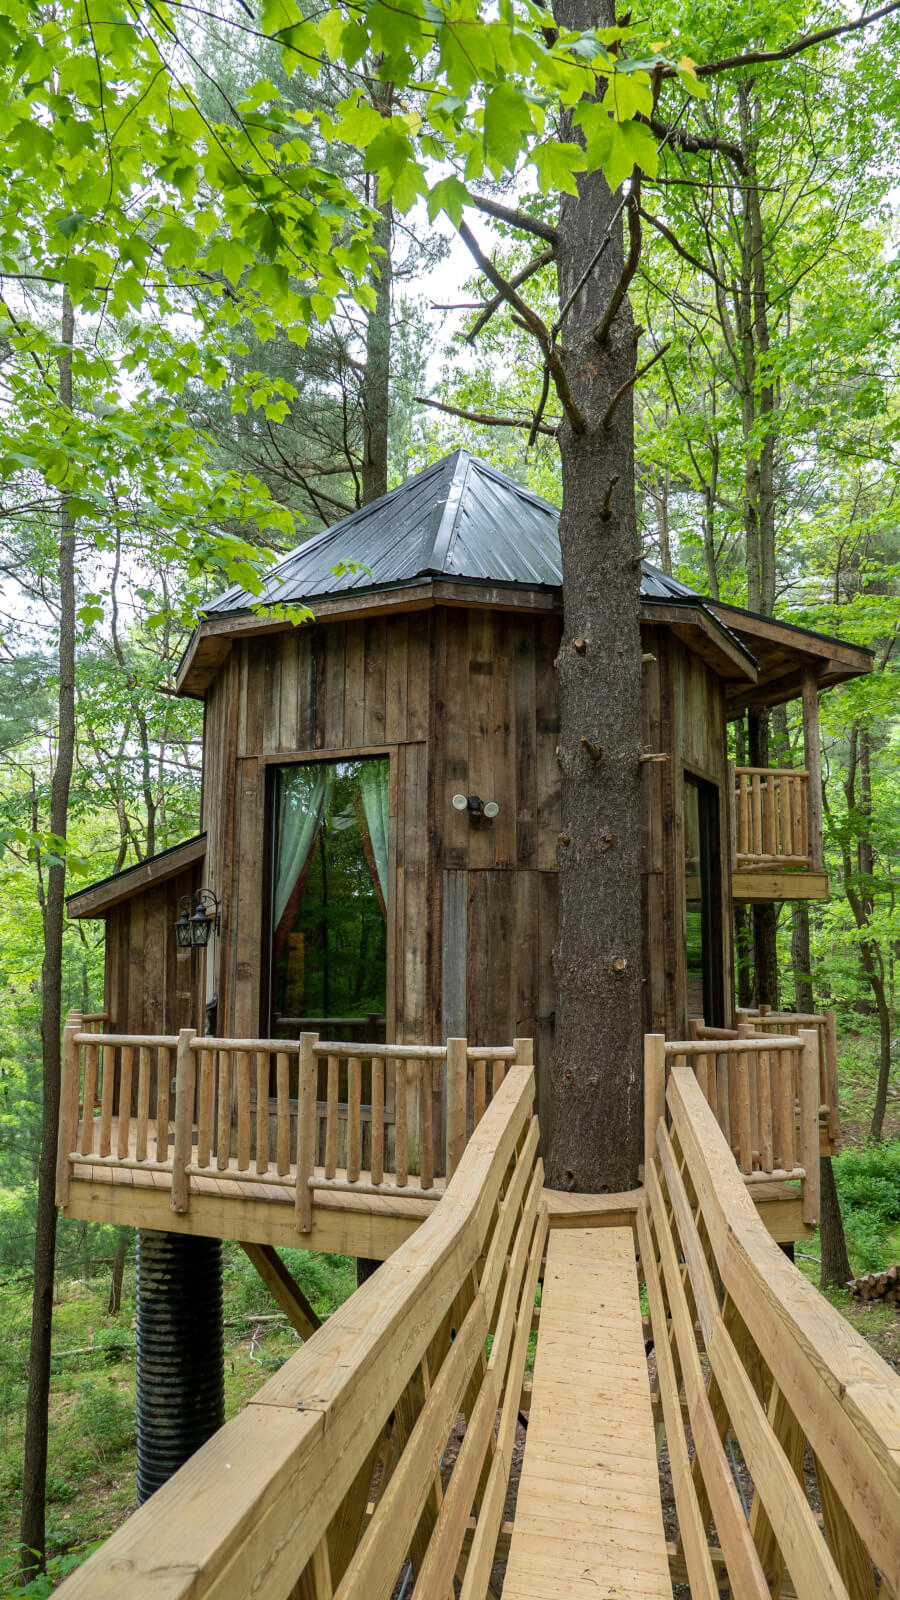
{"type": "Point", "coordinates": [809, 1123]}
{"type": "Point", "coordinates": [654, 1092]}
{"type": "Point", "coordinates": [812, 760]}
{"type": "Point", "coordinates": [765, 1111]}
{"type": "Point", "coordinates": [480, 1078]}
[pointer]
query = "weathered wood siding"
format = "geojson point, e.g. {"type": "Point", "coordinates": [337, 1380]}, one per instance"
{"type": "Point", "coordinates": [340, 687]}
{"type": "Point", "coordinates": [150, 986]}
{"type": "Point", "coordinates": [685, 719]}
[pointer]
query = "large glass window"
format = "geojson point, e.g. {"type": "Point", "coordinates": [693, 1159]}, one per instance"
{"type": "Point", "coordinates": [703, 902]}
{"type": "Point", "coordinates": [328, 897]}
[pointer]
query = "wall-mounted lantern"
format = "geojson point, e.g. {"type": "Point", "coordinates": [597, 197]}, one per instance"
{"type": "Point", "coordinates": [193, 927]}
{"type": "Point", "coordinates": [479, 810]}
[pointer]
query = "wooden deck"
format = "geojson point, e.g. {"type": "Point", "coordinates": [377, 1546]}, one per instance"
{"type": "Point", "coordinates": [588, 1513]}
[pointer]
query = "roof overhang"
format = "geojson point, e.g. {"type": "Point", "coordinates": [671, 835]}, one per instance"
{"type": "Point", "coordinates": [691, 620]}
{"type": "Point", "coordinates": [784, 653]}
{"type": "Point", "coordinates": [98, 898]}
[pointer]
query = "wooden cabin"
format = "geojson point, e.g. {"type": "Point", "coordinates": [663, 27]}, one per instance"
{"type": "Point", "coordinates": [380, 804]}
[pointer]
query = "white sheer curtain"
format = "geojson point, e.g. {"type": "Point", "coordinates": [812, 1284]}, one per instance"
{"type": "Point", "coordinates": [305, 793]}
{"type": "Point", "coordinates": [374, 786]}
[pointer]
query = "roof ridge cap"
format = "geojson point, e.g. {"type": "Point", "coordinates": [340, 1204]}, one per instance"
{"type": "Point", "coordinates": [443, 533]}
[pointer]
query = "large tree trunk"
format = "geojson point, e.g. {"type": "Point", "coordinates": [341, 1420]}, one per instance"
{"type": "Point", "coordinates": [835, 1269]}
{"type": "Point", "coordinates": [38, 1400]}
{"type": "Point", "coordinates": [800, 957]}
{"type": "Point", "coordinates": [595, 1141]}
{"type": "Point", "coordinates": [376, 382]}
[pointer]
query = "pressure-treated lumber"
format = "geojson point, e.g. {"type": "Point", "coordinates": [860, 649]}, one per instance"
{"type": "Point", "coordinates": [588, 1513]}
{"type": "Point", "coordinates": [283, 1287]}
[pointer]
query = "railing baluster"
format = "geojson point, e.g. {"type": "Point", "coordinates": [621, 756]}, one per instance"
{"type": "Point", "coordinates": [332, 1095]}
{"type": "Point", "coordinates": [107, 1094]}
{"type": "Point", "coordinates": [426, 1130]}
{"type": "Point", "coordinates": [223, 1127]}
{"type": "Point", "coordinates": [770, 847]}
{"type": "Point", "coordinates": [307, 1130]}
{"type": "Point", "coordinates": [262, 1110]}
{"type": "Point", "coordinates": [757, 848]}
{"type": "Point", "coordinates": [283, 1116]}
{"type": "Point", "coordinates": [143, 1103]}
{"type": "Point", "coordinates": [68, 1126]}
{"type": "Point", "coordinates": [205, 1108]}
{"type": "Point", "coordinates": [401, 1141]}
{"type": "Point", "coordinates": [242, 1074]}
{"type": "Point", "coordinates": [163, 1073]}
{"type": "Point", "coordinates": [125, 1074]}
{"type": "Point", "coordinates": [785, 785]}
{"type": "Point", "coordinates": [354, 1132]}
{"type": "Point", "coordinates": [377, 1168]}
{"type": "Point", "coordinates": [457, 1094]}
{"type": "Point", "coordinates": [480, 1093]}
{"type": "Point", "coordinates": [185, 1079]}
{"type": "Point", "coordinates": [89, 1095]}
{"type": "Point", "coordinates": [765, 1110]}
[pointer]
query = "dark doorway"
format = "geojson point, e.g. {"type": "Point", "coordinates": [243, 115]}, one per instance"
{"type": "Point", "coordinates": [703, 901]}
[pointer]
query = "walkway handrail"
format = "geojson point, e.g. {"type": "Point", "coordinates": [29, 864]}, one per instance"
{"type": "Point", "coordinates": [763, 1090]}
{"type": "Point", "coordinates": [784, 1371]}
{"type": "Point", "coordinates": [275, 1504]}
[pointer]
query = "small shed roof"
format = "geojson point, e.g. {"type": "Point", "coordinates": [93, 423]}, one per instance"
{"type": "Point", "coordinates": [459, 519]}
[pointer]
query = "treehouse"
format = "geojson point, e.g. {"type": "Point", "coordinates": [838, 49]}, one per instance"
{"type": "Point", "coordinates": [381, 790]}
{"type": "Point", "coordinates": [323, 1012]}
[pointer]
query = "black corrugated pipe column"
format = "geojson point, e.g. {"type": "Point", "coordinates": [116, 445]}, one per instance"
{"type": "Point", "coordinates": [180, 1366]}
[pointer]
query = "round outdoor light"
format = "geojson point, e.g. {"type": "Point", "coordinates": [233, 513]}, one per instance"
{"type": "Point", "coordinates": [459, 802]}
{"type": "Point", "coordinates": [192, 929]}
{"type": "Point", "coordinates": [479, 810]}
{"type": "Point", "coordinates": [491, 810]}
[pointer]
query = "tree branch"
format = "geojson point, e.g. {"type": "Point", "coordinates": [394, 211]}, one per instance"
{"type": "Point", "coordinates": [543, 260]}
{"type": "Point", "coordinates": [629, 382]}
{"type": "Point", "coordinates": [485, 417]}
{"type": "Point", "coordinates": [697, 143]}
{"type": "Point", "coordinates": [679, 248]}
{"type": "Point", "coordinates": [807, 41]}
{"type": "Point", "coordinates": [535, 325]}
{"type": "Point", "coordinates": [516, 218]}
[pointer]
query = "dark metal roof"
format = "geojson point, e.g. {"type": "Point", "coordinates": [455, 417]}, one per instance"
{"type": "Point", "coordinates": [459, 519]}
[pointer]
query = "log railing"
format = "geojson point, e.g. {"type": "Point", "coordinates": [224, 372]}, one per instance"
{"type": "Point", "coordinates": [302, 1115]}
{"type": "Point", "coordinates": [781, 1422]}
{"type": "Point", "coordinates": [772, 818]}
{"type": "Point", "coordinates": [825, 1025]}
{"type": "Point", "coordinates": [377, 1460]}
{"type": "Point", "coordinates": [764, 1094]}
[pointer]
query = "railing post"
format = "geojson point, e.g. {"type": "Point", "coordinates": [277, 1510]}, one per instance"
{"type": "Point", "coordinates": [307, 1128]}
{"type": "Point", "coordinates": [654, 1092]}
{"type": "Point", "coordinates": [68, 1108]}
{"type": "Point", "coordinates": [809, 1122]}
{"type": "Point", "coordinates": [185, 1075]}
{"type": "Point", "coordinates": [457, 1101]}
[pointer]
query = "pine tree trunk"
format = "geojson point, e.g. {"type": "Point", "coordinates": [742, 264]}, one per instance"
{"type": "Point", "coordinates": [114, 1303]}
{"type": "Point", "coordinates": [595, 1141]}
{"type": "Point", "coordinates": [38, 1398]}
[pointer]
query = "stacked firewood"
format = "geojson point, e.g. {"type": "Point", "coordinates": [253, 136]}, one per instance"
{"type": "Point", "coordinates": [878, 1285]}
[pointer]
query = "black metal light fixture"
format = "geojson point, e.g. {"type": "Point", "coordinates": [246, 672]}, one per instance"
{"type": "Point", "coordinates": [193, 927]}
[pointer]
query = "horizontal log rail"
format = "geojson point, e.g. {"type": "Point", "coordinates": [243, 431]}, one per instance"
{"type": "Point", "coordinates": [764, 1020]}
{"type": "Point", "coordinates": [781, 1423]}
{"type": "Point", "coordinates": [772, 817]}
{"type": "Point", "coordinates": [330, 1481]}
{"type": "Point", "coordinates": [305, 1115]}
{"type": "Point", "coordinates": [762, 1089]}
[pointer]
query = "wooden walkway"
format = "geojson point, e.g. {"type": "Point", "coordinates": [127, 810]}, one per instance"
{"type": "Point", "coordinates": [588, 1514]}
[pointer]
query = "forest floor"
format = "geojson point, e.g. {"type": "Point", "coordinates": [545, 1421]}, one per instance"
{"type": "Point", "coordinates": [92, 1467]}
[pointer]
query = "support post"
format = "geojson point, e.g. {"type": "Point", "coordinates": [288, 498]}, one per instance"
{"type": "Point", "coordinates": [282, 1287]}
{"type": "Point", "coordinates": [457, 1101]}
{"type": "Point", "coordinates": [68, 1102]}
{"type": "Point", "coordinates": [809, 1122]}
{"type": "Point", "coordinates": [654, 1092]}
{"type": "Point", "coordinates": [812, 756]}
{"type": "Point", "coordinates": [185, 1074]}
{"type": "Point", "coordinates": [306, 1131]}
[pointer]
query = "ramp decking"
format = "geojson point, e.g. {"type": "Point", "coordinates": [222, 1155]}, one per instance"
{"type": "Point", "coordinates": [588, 1514]}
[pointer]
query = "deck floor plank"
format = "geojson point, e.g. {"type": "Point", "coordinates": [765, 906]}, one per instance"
{"type": "Point", "coordinates": [588, 1515]}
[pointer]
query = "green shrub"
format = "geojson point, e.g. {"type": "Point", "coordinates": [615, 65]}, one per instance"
{"type": "Point", "coordinates": [868, 1185]}
{"type": "Point", "coordinates": [106, 1418]}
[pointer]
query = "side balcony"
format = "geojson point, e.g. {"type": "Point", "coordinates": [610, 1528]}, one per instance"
{"type": "Point", "coordinates": [778, 846]}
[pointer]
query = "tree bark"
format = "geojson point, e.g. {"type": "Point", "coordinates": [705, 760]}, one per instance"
{"type": "Point", "coordinates": [835, 1269]}
{"type": "Point", "coordinates": [376, 381]}
{"type": "Point", "coordinates": [801, 961]}
{"type": "Point", "coordinates": [32, 1531]}
{"type": "Point", "coordinates": [114, 1303]}
{"type": "Point", "coordinates": [595, 1140]}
